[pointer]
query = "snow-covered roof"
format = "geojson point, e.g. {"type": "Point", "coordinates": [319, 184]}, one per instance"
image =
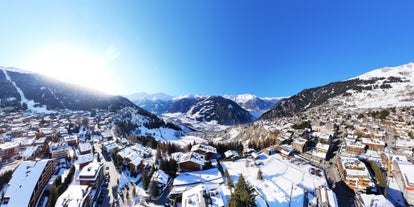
{"type": "Point", "coordinates": [205, 148]}
{"type": "Point", "coordinates": [372, 141]}
{"type": "Point", "coordinates": [407, 170]}
{"type": "Point", "coordinates": [300, 141]}
{"type": "Point", "coordinates": [23, 182]}
{"type": "Point", "coordinates": [84, 147]}
{"type": "Point", "coordinates": [46, 131]}
{"type": "Point", "coordinates": [110, 145]}
{"type": "Point", "coordinates": [373, 200]}
{"type": "Point", "coordinates": [212, 175]}
{"type": "Point", "coordinates": [90, 171]}
{"type": "Point", "coordinates": [160, 176]}
{"type": "Point", "coordinates": [9, 145]}
{"type": "Point", "coordinates": [231, 153]}
{"type": "Point", "coordinates": [322, 146]}
{"type": "Point", "coordinates": [82, 159]}
{"type": "Point", "coordinates": [29, 151]}
{"type": "Point", "coordinates": [319, 154]}
{"type": "Point", "coordinates": [195, 197]}
{"type": "Point", "coordinates": [70, 138]}
{"type": "Point", "coordinates": [73, 196]}
{"type": "Point", "coordinates": [136, 161]}
{"type": "Point", "coordinates": [193, 157]}
{"type": "Point", "coordinates": [351, 143]}
{"type": "Point", "coordinates": [125, 152]}
{"type": "Point", "coordinates": [56, 146]}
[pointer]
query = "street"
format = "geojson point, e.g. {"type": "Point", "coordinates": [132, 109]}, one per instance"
{"type": "Point", "coordinates": [113, 175]}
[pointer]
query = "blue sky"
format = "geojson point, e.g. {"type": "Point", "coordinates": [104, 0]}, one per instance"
{"type": "Point", "coordinates": [267, 48]}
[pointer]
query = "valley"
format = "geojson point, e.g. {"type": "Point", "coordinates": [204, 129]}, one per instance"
{"type": "Point", "coordinates": [347, 143]}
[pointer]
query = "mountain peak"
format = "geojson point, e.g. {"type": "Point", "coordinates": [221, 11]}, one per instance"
{"type": "Point", "coordinates": [402, 71]}
{"type": "Point", "coordinates": [149, 96]}
{"type": "Point", "coordinates": [17, 70]}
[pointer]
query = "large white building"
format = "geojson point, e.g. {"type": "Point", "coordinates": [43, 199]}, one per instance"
{"type": "Point", "coordinates": [404, 173]}
{"type": "Point", "coordinates": [27, 183]}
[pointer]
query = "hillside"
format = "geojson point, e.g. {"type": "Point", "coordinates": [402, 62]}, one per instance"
{"type": "Point", "coordinates": [380, 88]}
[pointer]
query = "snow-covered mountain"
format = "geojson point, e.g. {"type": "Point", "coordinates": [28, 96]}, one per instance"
{"type": "Point", "coordinates": [149, 96]}
{"type": "Point", "coordinates": [255, 105]}
{"type": "Point", "coordinates": [20, 90]}
{"type": "Point", "coordinates": [26, 90]}
{"type": "Point", "coordinates": [206, 113]}
{"type": "Point", "coordinates": [197, 111]}
{"type": "Point", "coordinates": [380, 88]}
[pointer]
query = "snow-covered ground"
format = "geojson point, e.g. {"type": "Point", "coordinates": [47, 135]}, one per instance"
{"type": "Point", "coordinates": [284, 183]}
{"type": "Point", "coordinates": [188, 139]}
{"type": "Point", "coordinates": [400, 94]}
{"type": "Point", "coordinates": [212, 175]}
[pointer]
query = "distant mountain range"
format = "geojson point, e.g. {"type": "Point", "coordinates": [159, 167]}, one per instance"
{"type": "Point", "coordinates": [225, 110]}
{"type": "Point", "coordinates": [22, 90]}
{"type": "Point", "coordinates": [381, 88]}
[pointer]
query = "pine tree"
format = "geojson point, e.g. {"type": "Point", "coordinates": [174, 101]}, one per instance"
{"type": "Point", "coordinates": [243, 195]}
{"type": "Point", "coordinates": [260, 174]}
{"type": "Point", "coordinates": [229, 181]}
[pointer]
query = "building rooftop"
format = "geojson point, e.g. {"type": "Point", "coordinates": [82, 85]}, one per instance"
{"type": "Point", "coordinates": [90, 171]}
{"type": "Point", "coordinates": [195, 197]}
{"type": "Point", "coordinates": [372, 141]}
{"type": "Point", "coordinates": [73, 196]}
{"type": "Point", "coordinates": [205, 148]}
{"type": "Point", "coordinates": [82, 159]}
{"type": "Point", "coordinates": [300, 141]}
{"type": "Point", "coordinates": [23, 182]}
{"type": "Point", "coordinates": [373, 200]}
{"type": "Point", "coordinates": [84, 147]}
{"type": "Point", "coordinates": [407, 170]}
{"type": "Point", "coordinates": [55, 146]}
{"type": "Point", "coordinates": [193, 157]}
{"type": "Point", "coordinates": [322, 146]}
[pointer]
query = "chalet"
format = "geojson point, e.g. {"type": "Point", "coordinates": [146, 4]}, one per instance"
{"type": "Point", "coordinates": [325, 138]}
{"type": "Point", "coordinates": [107, 135]}
{"type": "Point", "coordinates": [300, 145]}
{"type": "Point", "coordinates": [231, 154]}
{"type": "Point", "coordinates": [85, 148]}
{"type": "Point", "coordinates": [9, 149]}
{"type": "Point", "coordinates": [71, 139]}
{"type": "Point", "coordinates": [206, 150]}
{"type": "Point", "coordinates": [191, 161]}
{"type": "Point", "coordinates": [286, 150]}
{"type": "Point", "coordinates": [161, 178]}
{"type": "Point", "coordinates": [136, 164]}
{"type": "Point", "coordinates": [109, 146]}
{"type": "Point", "coordinates": [373, 144]}
{"type": "Point", "coordinates": [354, 147]}
{"type": "Point", "coordinates": [58, 150]}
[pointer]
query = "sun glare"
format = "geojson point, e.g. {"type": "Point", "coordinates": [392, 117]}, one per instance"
{"type": "Point", "coordinates": [75, 66]}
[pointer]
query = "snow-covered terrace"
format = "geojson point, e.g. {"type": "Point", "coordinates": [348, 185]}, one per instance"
{"type": "Point", "coordinates": [283, 184]}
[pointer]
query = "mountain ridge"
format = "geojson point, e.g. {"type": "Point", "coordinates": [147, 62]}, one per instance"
{"type": "Point", "coordinates": [383, 87]}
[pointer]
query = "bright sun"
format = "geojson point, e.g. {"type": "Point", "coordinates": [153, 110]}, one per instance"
{"type": "Point", "coordinates": [75, 66]}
